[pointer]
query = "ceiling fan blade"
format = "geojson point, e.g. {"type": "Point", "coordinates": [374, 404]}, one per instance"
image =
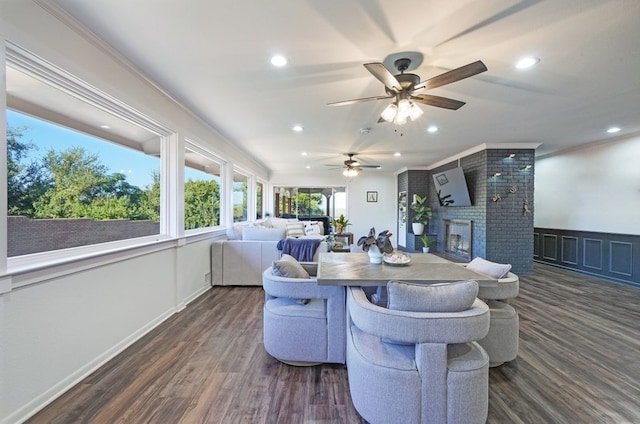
{"type": "Point", "coordinates": [453, 75]}
{"type": "Point", "coordinates": [364, 99]}
{"type": "Point", "coordinates": [370, 166]}
{"type": "Point", "coordinates": [382, 73]}
{"type": "Point", "coordinates": [438, 101]}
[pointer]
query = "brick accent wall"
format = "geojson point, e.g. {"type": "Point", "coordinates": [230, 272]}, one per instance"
{"type": "Point", "coordinates": [27, 236]}
{"type": "Point", "coordinates": [501, 230]}
{"type": "Point", "coordinates": [413, 182]}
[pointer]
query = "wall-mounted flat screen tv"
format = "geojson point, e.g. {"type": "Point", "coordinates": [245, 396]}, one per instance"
{"type": "Point", "coordinates": [451, 188]}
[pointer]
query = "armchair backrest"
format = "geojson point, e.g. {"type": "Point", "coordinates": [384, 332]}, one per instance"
{"type": "Point", "coordinates": [300, 288]}
{"type": "Point", "coordinates": [417, 327]}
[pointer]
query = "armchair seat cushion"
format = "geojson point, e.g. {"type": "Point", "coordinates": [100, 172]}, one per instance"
{"type": "Point", "coordinates": [465, 357]}
{"type": "Point", "coordinates": [461, 357]}
{"type": "Point", "coordinates": [389, 355]}
{"type": "Point", "coordinates": [287, 307]}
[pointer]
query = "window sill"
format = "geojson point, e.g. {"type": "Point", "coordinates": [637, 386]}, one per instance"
{"type": "Point", "coordinates": [38, 267]}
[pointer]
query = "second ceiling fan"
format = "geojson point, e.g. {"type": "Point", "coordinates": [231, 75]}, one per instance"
{"type": "Point", "coordinates": [352, 166]}
{"type": "Point", "coordinates": [404, 88]}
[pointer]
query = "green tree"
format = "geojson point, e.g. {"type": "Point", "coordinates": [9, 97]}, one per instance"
{"type": "Point", "coordinates": [78, 179]}
{"type": "Point", "coordinates": [239, 208]}
{"type": "Point", "coordinates": [26, 181]}
{"type": "Point", "coordinates": [81, 187]}
{"type": "Point", "coordinates": [309, 203]}
{"type": "Point", "coordinates": [201, 204]}
{"type": "Point", "coordinates": [149, 207]}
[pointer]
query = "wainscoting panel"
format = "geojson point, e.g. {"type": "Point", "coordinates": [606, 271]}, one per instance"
{"type": "Point", "coordinates": [621, 258]}
{"type": "Point", "coordinates": [614, 257]}
{"type": "Point", "coordinates": [593, 254]}
{"type": "Point", "coordinates": [550, 247]}
{"type": "Point", "coordinates": [570, 250]}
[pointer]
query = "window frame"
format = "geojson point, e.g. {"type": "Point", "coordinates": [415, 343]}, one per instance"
{"type": "Point", "coordinates": [210, 155]}
{"type": "Point", "coordinates": [48, 73]}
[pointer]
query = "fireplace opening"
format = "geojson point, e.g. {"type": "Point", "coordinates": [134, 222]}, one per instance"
{"type": "Point", "coordinates": [457, 239]}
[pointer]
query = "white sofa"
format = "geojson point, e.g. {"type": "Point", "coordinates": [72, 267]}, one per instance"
{"type": "Point", "coordinates": [250, 249]}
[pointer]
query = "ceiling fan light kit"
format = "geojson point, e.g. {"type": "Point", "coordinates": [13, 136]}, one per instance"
{"type": "Point", "coordinates": [404, 88]}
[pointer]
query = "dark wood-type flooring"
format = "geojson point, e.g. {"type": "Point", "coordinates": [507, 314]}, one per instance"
{"type": "Point", "coordinates": [579, 362]}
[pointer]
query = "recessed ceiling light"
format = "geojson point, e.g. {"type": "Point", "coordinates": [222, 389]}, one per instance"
{"type": "Point", "coordinates": [308, 166]}
{"type": "Point", "coordinates": [104, 126]}
{"type": "Point", "coordinates": [432, 129]}
{"type": "Point", "coordinates": [278, 60]}
{"type": "Point", "coordinates": [297, 128]}
{"type": "Point", "coordinates": [613, 130]}
{"type": "Point", "coordinates": [304, 153]}
{"type": "Point", "coordinates": [397, 154]}
{"type": "Point", "coordinates": [527, 62]}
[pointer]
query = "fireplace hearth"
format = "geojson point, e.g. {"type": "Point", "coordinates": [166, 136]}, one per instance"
{"type": "Point", "coordinates": [457, 238]}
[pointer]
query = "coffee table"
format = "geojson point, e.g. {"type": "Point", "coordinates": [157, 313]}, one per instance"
{"type": "Point", "coordinates": [354, 269]}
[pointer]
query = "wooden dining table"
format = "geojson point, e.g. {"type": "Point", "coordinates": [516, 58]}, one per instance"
{"type": "Point", "coordinates": [354, 269]}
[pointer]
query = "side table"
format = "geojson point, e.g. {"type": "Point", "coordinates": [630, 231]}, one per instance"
{"type": "Point", "coordinates": [344, 238]}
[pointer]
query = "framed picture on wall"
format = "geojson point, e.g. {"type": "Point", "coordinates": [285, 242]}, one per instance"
{"type": "Point", "coordinates": [372, 196]}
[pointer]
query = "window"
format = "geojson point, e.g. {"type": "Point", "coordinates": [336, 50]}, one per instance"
{"type": "Point", "coordinates": [259, 200]}
{"type": "Point", "coordinates": [201, 188]}
{"type": "Point", "coordinates": [75, 188]}
{"type": "Point", "coordinates": [83, 168]}
{"type": "Point", "coordinates": [327, 201]}
{"type": "Point", "coordinates": [240, 184]}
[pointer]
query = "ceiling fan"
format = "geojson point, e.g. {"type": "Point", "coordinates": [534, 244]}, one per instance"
{"type": "Point", "coordinates": [352, 166]}
{"type": "Point", "coordinates": [404, 88]}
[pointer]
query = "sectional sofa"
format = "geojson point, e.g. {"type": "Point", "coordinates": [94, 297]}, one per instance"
{"type": "Point", "coordinates": [251, 247]}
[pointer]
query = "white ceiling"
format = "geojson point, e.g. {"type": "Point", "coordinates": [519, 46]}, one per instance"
{"type": "Point", "coordinates": [214, 56]}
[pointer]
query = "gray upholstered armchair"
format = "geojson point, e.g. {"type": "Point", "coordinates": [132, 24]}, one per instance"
{"type": "Point", "coordinates": [304, 323]}
{"type": "Point", "coordinates": [501, 344]}
{"type": "Point", "coordinates": [418, 367]}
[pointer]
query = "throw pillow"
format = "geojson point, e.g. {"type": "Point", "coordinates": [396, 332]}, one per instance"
{"type": "Point", "coordinates": [288, 267]}
{"type": "Point", "coordinates": [312, 228]}
{"type": "Point", "coordinates": [295, 229]}
{"type": "Point", "coordinates": [444, 297]}
{"type": "Point", "coordinates": [492, 269]}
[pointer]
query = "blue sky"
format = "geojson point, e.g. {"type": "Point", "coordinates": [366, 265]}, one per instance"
{"type": "Point", "coordinates": [135, 165]}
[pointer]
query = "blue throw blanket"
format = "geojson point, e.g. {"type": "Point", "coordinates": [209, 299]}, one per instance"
{"type": "Point", "coordinates": [301, 249]}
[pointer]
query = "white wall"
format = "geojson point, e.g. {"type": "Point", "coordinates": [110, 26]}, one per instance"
{"type": "Point", "coordinates": [596, 188]}
{"type": "Point", "coordinates": [362, 214]}
{"type": "Point", "coordinates": [58, 330]}
{"type": "Point", "coordinates": [68, 320]}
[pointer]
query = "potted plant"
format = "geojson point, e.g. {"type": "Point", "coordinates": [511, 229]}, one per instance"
{"type": "Point", "coordinates": [426, 241]}
{"type": "Point", "coordinates": [330, 240]}
{"type": "Point", "coordinates": [421, 216]}
{"type": "Point", "coordinates": [340, 224]}
{"type": "Point", "coordinates": [375, 246]}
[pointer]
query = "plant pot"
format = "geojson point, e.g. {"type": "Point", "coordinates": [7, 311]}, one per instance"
{"type": "Point", "coordinates": [339, 228]}
{"type": "Point", "coordinates": [417, 227]}
{"type": "Point", "coordinates": [375, 255]}
{"type": "Point", "coordinates": [425, 250]}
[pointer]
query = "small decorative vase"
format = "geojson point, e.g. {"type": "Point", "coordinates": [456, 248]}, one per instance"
{"type": "Point", "coordinates": [339, 228]}
{"type": "Point", "coordinates": [417, 227]}
{"type": "Point", "coordinates": [375, 255]}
